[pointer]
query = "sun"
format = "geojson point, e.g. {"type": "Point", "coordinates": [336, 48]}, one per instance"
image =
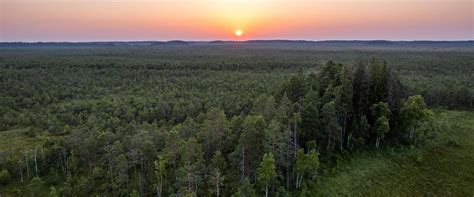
{"type": "Point", "coordinates": [238, 32]}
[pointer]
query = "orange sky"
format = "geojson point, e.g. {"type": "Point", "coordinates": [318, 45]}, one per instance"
{"type": "Point", "coordinates": [105, 20]}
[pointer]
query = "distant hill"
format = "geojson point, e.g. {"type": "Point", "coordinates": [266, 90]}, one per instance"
{"type": "Point", "coordinates": [468, 43]}
{"type": "Point", "coordinates": [91, 44]}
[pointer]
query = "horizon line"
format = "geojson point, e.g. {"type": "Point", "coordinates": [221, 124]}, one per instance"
{"type": "Point", "coordinates": [250, 40]}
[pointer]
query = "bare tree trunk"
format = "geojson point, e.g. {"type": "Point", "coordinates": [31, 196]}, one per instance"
{"type": "Point", "coordinates": [189, 182]}
{"type": "Point", "coordinates": [297, 181]}
{"type": "Point", "coordinates": [217, 184]}
{"type": "Point", "coordinates": [288, 157]}
{"type": "Point", "coordinates": [301, 179]}
{"type": "Point", "coordinates": [329, 142]}
{"type": "Point", "coordinates": [161, 184]}
{"type": "Point", "coordinates": [343, 132]}
{"type": "Point", "coordinates": [42, 156]}
{"type": "Point", "coordinates": [140, 173]}
{"type": "Point", "coordinates": [21, 172]}
{"type": "Point", "coordinates": [377, 142]}
{"type": "Point", "coordinates": [36, 163]}
{"type": "Point", "coordinates": [140, 183]}
{"type": "Point", "coordinates": [89, 163]}
{"type": "Point", "coordinates": [27, 166]}
{"type": "Point", "coordinates": [243, 163]}
{"type": "Point", "coordinates": [295, 139]}
{"type": "Point", "coordinates": [61, 160]}
{"type": "Point", "coordinates": [349, 137]}
{"type": "Point", "coordinates": [67, 164]}
{"type": "Point", "coordinates": [111, 179]}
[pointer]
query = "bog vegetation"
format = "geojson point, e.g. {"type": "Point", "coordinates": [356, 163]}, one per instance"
{"type": "Point", "coordinates": [214, 120]}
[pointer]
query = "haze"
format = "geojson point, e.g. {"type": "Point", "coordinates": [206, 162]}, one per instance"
{"type": "Point", "coordinates": [125, 20]}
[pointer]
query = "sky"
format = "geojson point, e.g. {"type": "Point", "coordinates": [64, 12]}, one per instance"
{"type": "Point", "coordinates": [139, 20]}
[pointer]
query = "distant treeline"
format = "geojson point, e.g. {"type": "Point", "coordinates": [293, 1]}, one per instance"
{"type": "Point", "coordinates": [386, 43]}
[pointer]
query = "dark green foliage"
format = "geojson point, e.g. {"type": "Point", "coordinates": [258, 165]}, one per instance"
{"type": "Point", "coordinates": [414, 114]}
{"type": "Point", "coordinates": [310, 120]}
{"type": "Point", "coordinates": [198, 121]}
{"type": "Point", "coordinates": [306, 166]}
{"type": "Point", "coordinates": [330, 125]}
{"type": "Point", "coordinates": [246, 189]}
{"type": "Point", "coordinates": [36, 186]}
{"type": "Point", "coordinates": [4, 177]}
{"type": "Point", "coordinates": [251, 145]}
{"type": "Point", "coordinates": [190, 171]}
{"type": "Point", "coordinates": [53, 192]}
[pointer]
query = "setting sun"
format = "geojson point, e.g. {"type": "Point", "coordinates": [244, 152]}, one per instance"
{"type": "Point", "coordinates": [238, 32]}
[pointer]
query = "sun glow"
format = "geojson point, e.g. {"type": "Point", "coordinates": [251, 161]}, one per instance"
{"type": "Point", "coordinates": [111, 20]}
{"type": "Point", "coordinates": [238, 32]}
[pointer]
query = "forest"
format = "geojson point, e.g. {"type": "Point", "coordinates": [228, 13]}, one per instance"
{"type": "Point", "coordinates": [230, 119]}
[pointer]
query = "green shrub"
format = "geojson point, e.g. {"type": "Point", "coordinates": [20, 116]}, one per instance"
{"type": "Point", "coordinates": [453, 142]}
{"type": "Point", "coordinates": [5, 177]}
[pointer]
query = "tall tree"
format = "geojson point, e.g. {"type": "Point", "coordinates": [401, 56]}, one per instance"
{"type": "Point", "coordinates": [275, 142]}
{"type": "Point", "coordinates": [380, 113]}
{"type": "Point", "coordinates": [217, 177]}
{"type": "Point", "coordinates": [246, 189]}
{"type": "Point", "coordinates": [190, 172]}
{"type": "Point", "coordinates": [379, 81]}
{"type": "Point", "coordinates": [266, 171]}
{"type": "Point", "coordinates": [381, 128]}
{"type": "Point", "coordinates": [296, 88]}
{"type": "Point", "coordinates": [310, 120]}
{"type": "Point", "coordinates": [327, 74]}
{"type": "Point", "coordinates": [36, 186]}
{"type": "Point", "coordinates": [306, 166]}
{"type": "Point", "coordinates": [343, 101]}
{"type": "Point", "coordinates": [284, 113]}
{"type": "Point", "coordinates": [361, 86]}
{"type": "Point", "coordinates": [188, 128]}
{"type": "Point", "coordinates": [361, 131]}
{"type": "Point", "coordinates": [265, 106]}
{"type": "Point", "coordinates": [414, 112]}
{"type": "Point", "coordinates": [251, 145]}
{"type": "Point", "coordinates": [331, 125]}
{"type": "Point", "coordinates": [214, 132]}
{"type": "Point", "coordinates": [115, 163]}
{"type": "Point", "coordinates": [121, 177]}
{"type": "Point", "coordinates": [160, 173]}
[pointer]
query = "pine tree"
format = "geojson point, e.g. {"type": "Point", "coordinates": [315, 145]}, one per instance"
{"type": "Point", "coordinates": [251, 144]}
{"type": "Point", "coordinates": [190, 172]}
{"type": "Point", "coordinates": [331, 125]}
{"type": "Point", "coordinates": [214, 132]}
{"type": "Point", "coordinates": [310, 120]}
{"type": "Point", "coordinates": [343, 102]}
{"type": "Point", "coordinates": [283, 115]}
{"type": "Point", "coordinates": [246, 189]}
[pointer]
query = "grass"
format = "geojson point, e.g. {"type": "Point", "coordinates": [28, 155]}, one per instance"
{"type": "Point", "coordinates": [14, 142]}
{"type": "Point", "coordinates": [13, 145]}
{"type": "Point", "coordinates": [440, 167]}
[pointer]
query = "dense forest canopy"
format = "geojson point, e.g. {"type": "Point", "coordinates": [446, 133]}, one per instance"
{"type": "Point", "coordinates": [213, 120]}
